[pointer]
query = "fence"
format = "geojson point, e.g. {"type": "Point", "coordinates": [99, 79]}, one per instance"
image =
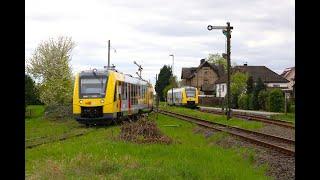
{"type": "Point", "coordinates": [209, 100]}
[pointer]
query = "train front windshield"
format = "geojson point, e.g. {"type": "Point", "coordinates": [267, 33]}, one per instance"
{"type": "Point", "coordinates": [191, 92]}
{"type": "Point", "coordinates": [93, 86]}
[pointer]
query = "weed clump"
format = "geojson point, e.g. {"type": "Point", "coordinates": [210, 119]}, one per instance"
{"type": "Point", "coordinates": [143, 131]}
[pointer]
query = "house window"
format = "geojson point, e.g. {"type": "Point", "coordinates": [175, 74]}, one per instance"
{"type": "Point", "coordinates": [276, 85]}
{"type": "Point", "coordinates": [205, 82]}
{"type": "Point", "coordinates": [222, 87]}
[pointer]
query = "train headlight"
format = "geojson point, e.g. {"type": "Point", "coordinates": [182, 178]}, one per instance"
{"type": "Point", "coordinates": [80, 101]}
{"type": "Point", "coordinates": [102, 101]}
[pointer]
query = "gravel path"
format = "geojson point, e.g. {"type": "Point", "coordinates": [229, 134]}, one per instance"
{"type": "Point", "coordinates": [280, 166]}
{"type": "Point", "coordinates": [278, 131]}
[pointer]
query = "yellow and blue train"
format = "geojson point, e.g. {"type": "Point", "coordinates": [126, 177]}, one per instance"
{"type": "Point", "coordinates": [106, 96]}
{"type": "Point", "coordinates": [184, 96]}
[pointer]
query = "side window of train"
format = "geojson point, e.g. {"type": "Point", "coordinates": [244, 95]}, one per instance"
{"type": "Point", "coordinates": [115, 92]}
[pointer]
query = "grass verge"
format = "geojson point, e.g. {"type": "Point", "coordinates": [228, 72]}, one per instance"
{"type": "Point", "coordinates": [251, 125]}
{"type": "Point", "coordinates": [102, 155]}
{"type": "Point", "coordinates": [290, 117]}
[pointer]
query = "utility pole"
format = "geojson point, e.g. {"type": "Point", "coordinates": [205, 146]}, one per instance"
{"type": "Point", "coordinates": [172, 75]}
{"type": "Point", "coordinates": [108, 54]}
{"type": "Point", "coordinates": [226, 30]}
{"type": "Point", "coordinates": [139, 68]}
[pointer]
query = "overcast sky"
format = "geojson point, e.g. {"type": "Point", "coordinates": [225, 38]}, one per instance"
{"type": "Point", "coordinates": [147, 31]}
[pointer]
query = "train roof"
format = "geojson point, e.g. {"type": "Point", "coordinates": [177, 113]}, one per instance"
{"type": "Point", "coordinates": [127, 77]}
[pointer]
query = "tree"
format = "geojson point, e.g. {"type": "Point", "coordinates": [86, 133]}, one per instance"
{"type": "Point", "coordinates": [31, 91]}
{"type": "Point", "coordinates": [250, 85]}
{"type": "Point", "coordinates": [262, 98]}
{"type": "Point", "coordinates": [276, 100]}
{"type": "Point", "coordinates": [50, 65]}
{"type": "Point", "coordinates": [243, 101]}
{"type": "Point", "coordinates": [238, 82]}
{"type": "Point", "coordinates": [163, 80]}
{"type": "Point", "coordinates": [173, 84]}
{"type": "Point", "coordinates": [217, 59]}
{"type": "Point", "coordinates": [260, 86]}
{"type": "Point", "coordinates": [237, 87]}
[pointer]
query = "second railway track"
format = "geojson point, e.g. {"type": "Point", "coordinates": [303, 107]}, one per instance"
{"type": "Point", "coordinates": [254, 118]}
{"type": "Point", "coordinates": [280, 144]}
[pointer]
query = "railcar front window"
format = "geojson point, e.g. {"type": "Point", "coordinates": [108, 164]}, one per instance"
{"type": "Point", "coordinates": [93, 87]}
{"type": "Point", "coordinates": [190, 92]}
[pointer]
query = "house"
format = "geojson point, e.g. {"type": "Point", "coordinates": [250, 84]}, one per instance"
{"type": "Point", "coordinates": [268, 77]}
{"type": "Point", "coordinates": [289, 74]}
{"type": "Point", "coordinates": [203, 77]}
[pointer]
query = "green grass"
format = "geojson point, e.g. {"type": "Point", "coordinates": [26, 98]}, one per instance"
{"type": "Point", "coordinates": [289, 117]}
{"type": "Point", "coordinates": [101, 155]}
{"type": "Point", "coordinates": [39, 129]}
{"type": "Point", "coordinates": [33, 111]}
{"type": "Point", "coordinates": [214, 118]}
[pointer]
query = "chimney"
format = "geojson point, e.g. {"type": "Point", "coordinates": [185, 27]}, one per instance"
{"type": "Point", "coordinates": [202, 61]}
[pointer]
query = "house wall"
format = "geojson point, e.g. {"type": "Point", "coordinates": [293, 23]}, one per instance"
{"type": "Point", "coordinates": [279, 85]}
{"type": "Point", "coordinates": [290, 78]}
{"type": "Point", "coordinates": [204, 75]}
{"type": "Point", "coordinates": [221, 90]}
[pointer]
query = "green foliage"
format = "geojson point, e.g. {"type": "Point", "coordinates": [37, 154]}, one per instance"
{"type": "Point", "coordinates": [251, 101]}
{"type": "Point", "coordinates": [276, 100]}
{"type": "Point", "coordinates": [249, 85]}
{"type": "Point", "coordinates": [31, 91]}
{"type": "Point", "coordinates": [163, 81]}
{"type": "Point", "coordinates": [217, 59]}
{"type": "Point", "coordinates": [234, 101]}
{"type": "Point", "coordinates": [243, 101]}
{"type": "Point", "coordinates": [263, 100]}
{"type": "Point", "coordinates": [254, 101]}
{"type": "Point", "coordinates": [237, 86]}
{"type": "Point", "coordinates": [50, 64]}
{"type": "Point", "coordinates": [290, 106]}
{"type": "Point", "coordinates": [238, 82]}
{"type": "Point", "coordinates": [260, 86]}
{"type": "Point", "coordinates": [166, 89]}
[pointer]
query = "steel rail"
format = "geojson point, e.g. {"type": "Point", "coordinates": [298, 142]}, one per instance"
{"type": "Point", "coordinates": [255, 118]}
{"type": "Point", "coordinates": [237, 132]}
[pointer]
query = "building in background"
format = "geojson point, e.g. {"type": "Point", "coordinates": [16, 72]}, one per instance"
{"type": "Point", "coordinates": [268, 77]}
{"type": "Point", "coordinates": [203, 77]}
{"type": "Point", "coordinates": [289, 74]}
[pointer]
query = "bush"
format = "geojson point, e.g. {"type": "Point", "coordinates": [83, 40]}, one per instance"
{"type": "Point", "coordinates": [234, 101]}
{"type": "Point", "coordinates": [255, 101]}
{"type": "Point", "coordinates": [243, 101]}
{"type": "Point", "coordinates": [58, 111]}
{"type": "Point", "coordinates": [263, 98]}
{"type": "Point", "coordinates": [276, 100]}
{"type": "Point", "coordinates": [290, 106]}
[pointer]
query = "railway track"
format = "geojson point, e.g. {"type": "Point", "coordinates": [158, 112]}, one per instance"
{"type": "Point", "coordinates": [254, 118]}
{"type": "Point", "coordinates": [48, 139]}
{"type": "Point", "coordinates": [280, 144]}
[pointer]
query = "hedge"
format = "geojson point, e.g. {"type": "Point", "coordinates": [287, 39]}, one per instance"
{"type": "Point", "coordinates": [276, 100]}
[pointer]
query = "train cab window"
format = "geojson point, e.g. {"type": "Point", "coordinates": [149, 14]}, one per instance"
{"type": "Point", "coordinates": [92, 86]}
